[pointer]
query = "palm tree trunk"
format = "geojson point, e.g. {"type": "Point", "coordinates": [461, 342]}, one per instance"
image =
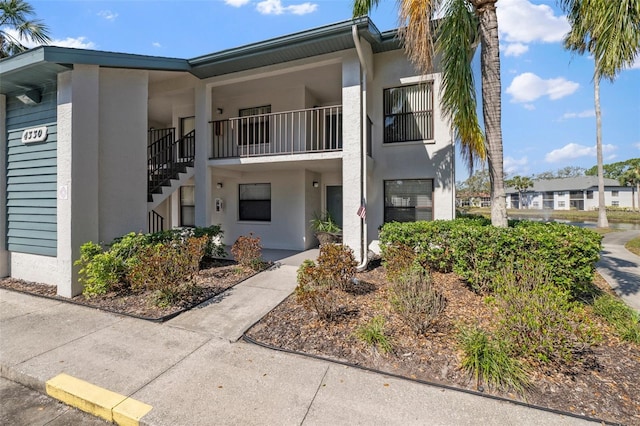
{"type": "Point", "coordinates": [638, 194]}
{"type": "Point", "coordinates": [492, 107]}
{"type": "Point", "coordinates": [602, 211]}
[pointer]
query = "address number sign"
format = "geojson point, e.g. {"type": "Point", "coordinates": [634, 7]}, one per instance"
{"type": "Point", "coordinates": [36, 134]}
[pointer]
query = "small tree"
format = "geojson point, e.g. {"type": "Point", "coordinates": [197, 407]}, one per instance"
{"type": "Point", "coordinates": [631, 177]}
{"type": "Point", "coordinates": [521, 184]}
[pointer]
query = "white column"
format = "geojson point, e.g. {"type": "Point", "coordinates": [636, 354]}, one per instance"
{"type": "Point", "coordinates": [5, 269]}
{"type": "Point", "coordinates": [203, 190]}
{"type": "Point", "coordinates": [351, 154]}
{"type": "Point", "coordinates": [78, 170]}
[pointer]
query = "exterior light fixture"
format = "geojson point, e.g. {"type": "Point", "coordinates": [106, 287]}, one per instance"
{"type": "Point", "coordinates": [316, 184]}
{"type": "Point", "coordinates": [31, 97]}
{"type": "Point", "coordinates": [219, 185]}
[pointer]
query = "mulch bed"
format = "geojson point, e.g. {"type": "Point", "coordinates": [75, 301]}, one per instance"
{"type": "Point", "coordinates": [605, 384]}
{"type": "Point", "coordinates": [215, 276]}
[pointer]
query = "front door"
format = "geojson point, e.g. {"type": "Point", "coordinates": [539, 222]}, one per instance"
{"type": "Point", "coordinates": [334, 203]}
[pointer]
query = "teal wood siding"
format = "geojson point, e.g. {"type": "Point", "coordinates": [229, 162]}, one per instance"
{"type": "Point", "coordinates": [31, 177]}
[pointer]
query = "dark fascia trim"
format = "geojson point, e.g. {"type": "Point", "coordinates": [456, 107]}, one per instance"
{"type": "Point", "coordinates": [67, 55]}
{"type": "Point", "coordinates": [365, 27]}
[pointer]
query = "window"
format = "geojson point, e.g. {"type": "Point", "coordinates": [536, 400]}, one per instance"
{"type": "Point", "coordinates": [408, 200]}
{"type": "Point", "coordinates": [615, 203]}
{"type": "Point", "coordinates": [561, 203]}
{"type": "Point", "coordinates": [187, 206]}
{"type": "Point", "coordinates": [254, 128]}
{"type": "Point", "coordinates": [560, 193]}
{"type": "Point", "coordinates": [536, 204]}
{"type": "Point", "coordinates": [614, 193]}
{"type": "Point", "coordinates": [589, 195]}
{"type": "Point", "coordinates": [408, 113]}
{"type": "Point", "coordinates": [255, 202]}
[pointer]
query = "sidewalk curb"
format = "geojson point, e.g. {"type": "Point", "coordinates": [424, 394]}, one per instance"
{"type": "Point", "coordinates": [97, 401]}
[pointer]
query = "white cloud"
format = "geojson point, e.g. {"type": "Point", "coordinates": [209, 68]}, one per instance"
{"type": "Point", "coordinates": [528, 87]}
{"type": "Point", "coordinates": [303, 9]}
{"type": "Point", "coordinates": [574, 150]}
{"type": "Point", "coordinates": [529, 107]}
{"type": "Point", "coordinates": [636, 64]}
{"type": "Point", "coordinates": [583, 114]}
{"type": "Point", "coordinates": [515, 49]}
{"type": "Point", "coordinates": [514, 166]}
{"type": "Point", "coordinates": [108, 15]}
{"type": "Point", "coordinates": [637, 145]}
{"type": "Point", "coordinates": [523, 22]}
{"type": "Point", "coordinates": [236, 3]}
{"type": "Point", "coordinates": [275, 7]}
{"type": "Point", "coordinates": [77, 43]}
{"type": "Point", "coordinates": [156, 44]}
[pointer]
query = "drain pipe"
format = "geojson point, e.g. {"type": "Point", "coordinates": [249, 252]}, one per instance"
{"type": "Point", "coordinates": [363, 140]}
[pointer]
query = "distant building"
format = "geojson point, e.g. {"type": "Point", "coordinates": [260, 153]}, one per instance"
{"type": "Point", "coordinates": [576, 193]}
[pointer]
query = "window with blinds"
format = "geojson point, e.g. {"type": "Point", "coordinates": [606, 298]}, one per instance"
{"type": "Point", "coordinates": [254, 127]}
{"type": "Point", "coordinates": [408, 113]}
{"type": "Point", "coordinates": [408, 200]}
{"type": "Point", "coordinates": [255, 202]}
{"type": "Point", "coordinates": [187, 206]}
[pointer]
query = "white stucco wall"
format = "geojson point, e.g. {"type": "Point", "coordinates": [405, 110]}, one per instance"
{"type": "Point", "coordinates": [123, 152]}
{"type": "Point", "coordinates": [35, 268]}
{"type": "Point", "coordinates": [287, 228]}
{"type": "Point", "coordinates": [432, 159]}
{"type": "Point", "coordinates": [78, 171]}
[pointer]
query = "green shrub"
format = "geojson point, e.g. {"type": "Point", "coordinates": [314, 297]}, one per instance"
{"type": "Point", "coordinates": [316, 292]}
{"type": "Point", "coordinates": [415, 301]}
{"type": "Point", "coordinates": [213, 248]}
{"type": "Point", "coordinates": [167, 269]}
{"type": "Point", "coordinates": [398, 259]}
{"type": "Point", "coordinates": [543, 322]}
{"type": "Point", "coordinates": [247, 251]}
{"type": "Point", "coordinates": [490, 360]}
{"type": "Point", "coordinates": [624, 320]}
{"type": "Point", "coordinates": [373, 333]}
{"type": "Point", "coordinates": [103, 269]}
{"type": "Point", "coordinates": [477, 252]}
{"type": "Point", "coordinates": [337, 264]}
{"type": "Point", "coordinates": [99, 271]}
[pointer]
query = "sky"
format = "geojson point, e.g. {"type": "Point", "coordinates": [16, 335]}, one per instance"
{"type": "Point", "coordinates": [548, 116]}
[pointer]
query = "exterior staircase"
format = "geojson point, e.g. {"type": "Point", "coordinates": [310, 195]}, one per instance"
{"type": "Point", "coordinates": [170, 163]}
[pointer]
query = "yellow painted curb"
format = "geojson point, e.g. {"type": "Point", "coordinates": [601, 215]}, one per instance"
{"type": "Point", "coordinates": [97, 401]}
{"type": "Point", "coordinates": [129, 412]}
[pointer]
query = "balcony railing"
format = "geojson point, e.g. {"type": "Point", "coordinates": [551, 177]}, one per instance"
{"type": "Point", "coordinates": [291, 132]}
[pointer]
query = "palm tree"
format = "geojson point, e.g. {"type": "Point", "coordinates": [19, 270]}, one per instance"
{"type": "Point", "coordinates": [610, 32]}
{"type": "Point", "coordinates": [631, 177]}
{"type": "Point", "coordinates": [14, 16]}
{"type": "Point", "coordinates": [520, 184]}
{"type": "Point", "coordinates": [464, 23]}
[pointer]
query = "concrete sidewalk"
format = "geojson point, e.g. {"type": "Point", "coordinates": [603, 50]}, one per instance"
{"type": "Point", "coordinates": [192, 371]}
{"type": "Point", "coordinates": [620, 267]}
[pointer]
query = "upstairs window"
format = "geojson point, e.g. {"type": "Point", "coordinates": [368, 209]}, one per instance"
{"type": "Point", "coordinates": [408, 113]}
{"type": "Point", "coordinates": [254, 125]}
{"type": "Point", "coordinates": [255, 202]}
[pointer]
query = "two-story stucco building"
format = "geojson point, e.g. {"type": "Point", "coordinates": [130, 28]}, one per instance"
{"type": "Point", "coordinates": [257, 139]}
{"type": "Point", "coordinates": [575, 193]}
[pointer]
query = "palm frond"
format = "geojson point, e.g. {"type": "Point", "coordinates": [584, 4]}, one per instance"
{"type": "Point", "coordinates": [363, 7]}
{"type": "Point", "coordinates": [456, 42]}
{"type": "Point", "coordinates": [415, 29]}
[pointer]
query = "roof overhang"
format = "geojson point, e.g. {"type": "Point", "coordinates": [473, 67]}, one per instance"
{"type": "Point", "coordinates": [305, 44]}
{"type": "Point", "coordinates": [40, 66]}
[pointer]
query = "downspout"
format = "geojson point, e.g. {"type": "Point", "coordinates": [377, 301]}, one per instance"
{"type": "Point", "coordinates": [363, 140]}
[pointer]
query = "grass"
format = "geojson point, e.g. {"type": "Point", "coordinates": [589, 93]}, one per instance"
{"type": "Point", "coordinates": [634, 246]}
{"type": "Point", "coordinates": [621, 317]}
{"type": "Point", "coordinates": [373, 334]}
{"type": "Point", "coordinates": [574, 215]}
{"type": "Point", "coordinates": [490, 360]}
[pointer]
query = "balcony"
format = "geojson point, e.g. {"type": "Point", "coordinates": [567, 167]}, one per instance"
{"type": "Point", "coordinates": [283, 133]}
